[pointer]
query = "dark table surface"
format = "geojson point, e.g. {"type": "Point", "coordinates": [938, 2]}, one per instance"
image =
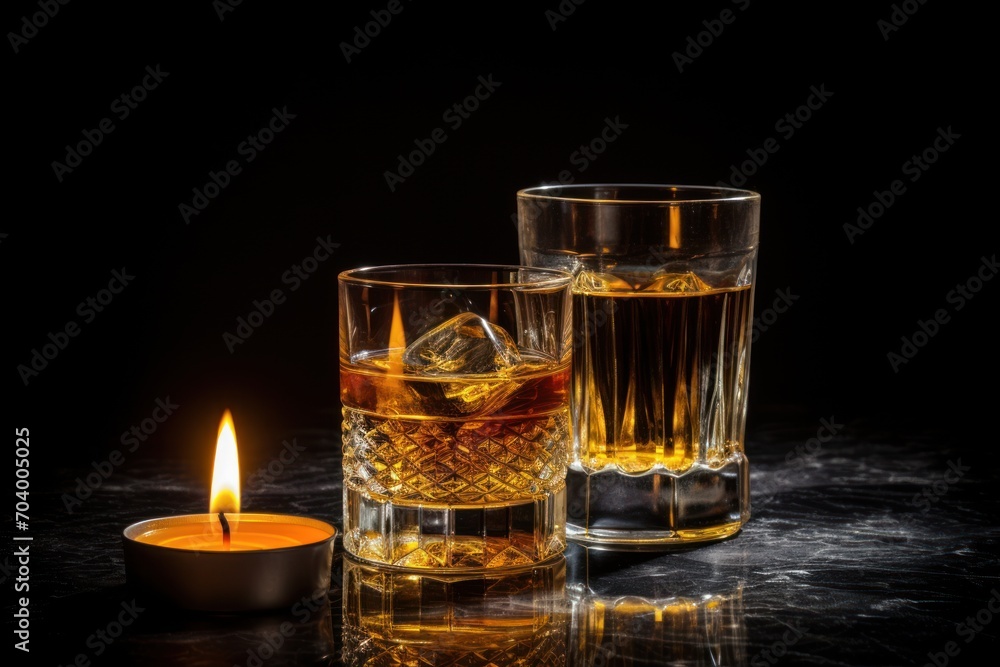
{"type": "Point", "coordinates": [871, 548]}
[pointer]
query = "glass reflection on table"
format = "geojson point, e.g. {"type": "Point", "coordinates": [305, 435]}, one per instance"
{"type": "Point", "coordinates": [631, 609]}
{"type": "Point", "coordinates": [587, 609]}
{"type": "Point", "coordinates": [393, 616]}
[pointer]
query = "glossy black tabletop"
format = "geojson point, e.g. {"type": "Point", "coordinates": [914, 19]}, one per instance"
{"type": "Point", "coordinates": [865, 548]}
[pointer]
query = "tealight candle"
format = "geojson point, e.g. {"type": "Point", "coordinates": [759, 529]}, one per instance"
{"type": "Point", "coordinates": [228, 561]}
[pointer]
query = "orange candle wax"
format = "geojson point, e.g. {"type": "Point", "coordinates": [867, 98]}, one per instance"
{"type": "Point", "coordinates": [204, 533]}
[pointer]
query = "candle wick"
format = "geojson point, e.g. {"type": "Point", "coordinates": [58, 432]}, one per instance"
{"type": "Point", "coordinates": [225, 530]}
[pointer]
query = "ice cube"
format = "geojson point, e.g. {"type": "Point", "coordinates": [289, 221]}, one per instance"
{"type": "Point", "coordinates": [591, 282]}
{"type": "Point", "coordinates": [665, 281]}
{"type": "Point", "coordinates": [465, 344]}
{"type": "Point", "coordinates": [482, 397]}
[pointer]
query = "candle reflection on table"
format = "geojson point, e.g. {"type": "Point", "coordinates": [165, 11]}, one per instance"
{"type": "Point", "coordinates": [403, 617]}
{"type": "Point", "coordinates": [302, 633]}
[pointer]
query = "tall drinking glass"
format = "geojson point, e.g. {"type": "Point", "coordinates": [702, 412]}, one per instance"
{"type": "Point", "coordinates": [454, 383]}
{"type": "Point", "coordinates": [662, 317]}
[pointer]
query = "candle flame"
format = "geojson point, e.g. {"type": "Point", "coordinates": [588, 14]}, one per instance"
{"type": "Point", "coordinates": [675, 227]}
{"type": "Point", "coordinates": [397, 339]}
{"type": "Point", "coordinates": [226, 475]}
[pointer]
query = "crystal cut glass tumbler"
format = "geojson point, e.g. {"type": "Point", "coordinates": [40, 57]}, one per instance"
{"type": "Point", "coordinates": [454, 384]}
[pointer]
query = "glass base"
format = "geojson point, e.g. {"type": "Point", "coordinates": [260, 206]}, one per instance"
{"type": "Point", "coordinates": [427, 536]}
{"type": "Point", "coordinates": [658, 510]}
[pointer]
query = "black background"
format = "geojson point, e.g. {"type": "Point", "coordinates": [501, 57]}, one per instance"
{"type": "Point", "coordinates": [324, 177]}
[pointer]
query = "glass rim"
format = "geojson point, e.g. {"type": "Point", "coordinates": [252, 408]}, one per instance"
{"type": "Point", "coordinates": [360, 276]}
{"type": "Point", "coordinates": [728, 194]}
